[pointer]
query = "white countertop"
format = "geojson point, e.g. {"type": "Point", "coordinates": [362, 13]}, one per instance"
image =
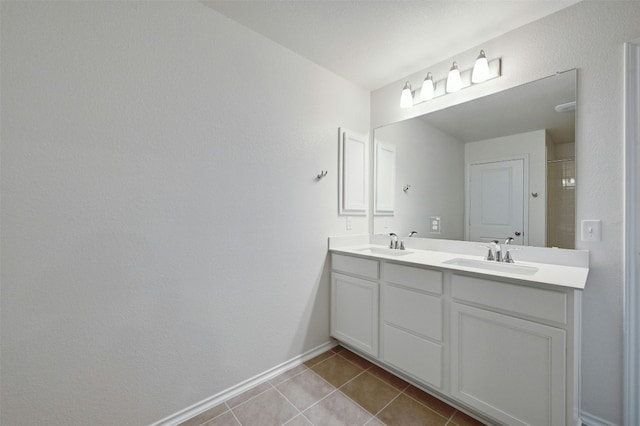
{"type": "Point", "coordinates": [574, 277]}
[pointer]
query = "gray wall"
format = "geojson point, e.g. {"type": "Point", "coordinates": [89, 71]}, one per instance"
{"type": "Point", "coordinates": [422, 151]}
{"type": "Point", "coordinates": [163, 234]}
{"type": "Point", "coordinates": [589, 36]}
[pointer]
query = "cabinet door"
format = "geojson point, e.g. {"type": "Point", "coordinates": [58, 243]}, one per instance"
{"type": "Point", "coordinates": [508, 368]}
{"type": "Point", "coordinates": [354, 312]}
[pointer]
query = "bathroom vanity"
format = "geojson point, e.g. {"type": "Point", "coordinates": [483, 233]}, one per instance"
{"type": "Point", "coordinates": [499, 340]}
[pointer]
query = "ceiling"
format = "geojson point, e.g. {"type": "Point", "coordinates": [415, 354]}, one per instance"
{"type": "Point", "coordinates": [375, 42]}
{"type": "Point", "coordinates": [521, 109]}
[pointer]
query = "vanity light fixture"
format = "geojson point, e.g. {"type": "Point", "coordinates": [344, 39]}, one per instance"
{"type": "Point", "coordinates": [428, 88]}
{"type": "Point", "coordinates": [480, 69]}
{"type": "Point", "coordinates": [406, 99]}
{"type": "Point", "coordinates": [454, 80]}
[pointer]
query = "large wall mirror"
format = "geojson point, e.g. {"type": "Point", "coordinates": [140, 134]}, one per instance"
{"type": "Point", "coordinates": [495, 167]}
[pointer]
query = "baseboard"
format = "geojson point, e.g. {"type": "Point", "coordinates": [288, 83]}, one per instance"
{"type": "Point", "coordinates": [219, 398]}
{"type": "Point", "coordinates": [591, 420]}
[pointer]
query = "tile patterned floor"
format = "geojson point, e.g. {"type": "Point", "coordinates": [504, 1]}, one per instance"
{"type": "Point", "coordinates": [335, 388]}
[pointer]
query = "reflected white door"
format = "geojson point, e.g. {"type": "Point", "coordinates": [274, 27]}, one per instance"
{"type": "Point", "coordinates": [496, 202]}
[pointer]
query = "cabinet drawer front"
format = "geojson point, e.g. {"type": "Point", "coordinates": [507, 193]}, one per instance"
{"type": "Point", "coordinates": [418, 278]}
{"type": "Point", "coordinates": [412, 310]}
{"type": "Point", "coordinates": [355, 265]}
{"type": "Point", "coordinates": [534, 302]}
{"type": "Point", "coordinates": [413, 355]}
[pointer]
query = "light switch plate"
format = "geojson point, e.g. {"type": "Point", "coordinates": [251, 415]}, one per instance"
{"type": "Point", "coordinates": [591, 230]}
{"type": "Point", "coordinates": [349, 223]}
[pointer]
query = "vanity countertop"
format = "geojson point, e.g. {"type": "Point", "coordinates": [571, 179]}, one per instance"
{"type": "Point", "coordinates": [574, 277]}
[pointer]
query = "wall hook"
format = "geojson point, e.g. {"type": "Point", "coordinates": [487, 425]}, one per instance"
{"type": "Point", "coordinates": [534, 194]}
{"type": "Point", "coordinates": [405, 188]}
{"type": "Point", "coordinates": [322, 174]}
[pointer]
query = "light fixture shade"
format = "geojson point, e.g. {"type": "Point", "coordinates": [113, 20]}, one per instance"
{"type": "Point", "coordinates": [406, 99]}
{"type": "Point", "coordinates": [428, 88]}
{"type": "Point", "coordinates": [480, 69]}
{"type": "Point", "coordinates": [454, 82]}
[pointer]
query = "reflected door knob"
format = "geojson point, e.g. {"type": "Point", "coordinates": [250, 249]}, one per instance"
{"type": "Point", "coordinates": [517, 233]}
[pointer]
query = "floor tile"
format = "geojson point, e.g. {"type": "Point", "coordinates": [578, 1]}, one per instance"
{"type": "Point", "coordinates": [432, 402]}
{"type": "Point", "coordinates": [237, 400]}
{"type": "Point", "coordinates": [205, 416]}
{"type": "Point", "coordinates": [305, 389]}
{"type": "Point", "coordinates": [338, 349]}
{"type": "Point", "coordinates": [318, 359]}
{"type": "Point", "coordinates": [267, 409]}
{"type": "Point", "coordinates": [370, 392]}
{"type": "Point", "coordinates": [337, 370]}
{"type": "Point", "coordinates": [337, 410]}
{"type": "Point", "coordinates": [288, 374]}
{"type": "Point", "coordinates": [407, 411]}
{"type": "Point", "coordinates": [374, 422]}
{"type": "Point", "coordinates": [356, 359]}
{"type": "Point", "coordinates": [394, 381]}
{"type": "Point", "coordinates": [226, 419]}
{"type": "Point", "coordinates": [461, 419]}
{"type": "Point", "coordinates": [299, 420]}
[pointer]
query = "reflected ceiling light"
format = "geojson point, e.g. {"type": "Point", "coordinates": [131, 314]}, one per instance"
{"type": "Point", "coordinates": [454, 81]}
{"type": "Point", "coordinates": [480, 69]}
{"type": "Point", "coordinates": [428, 88]}
{"type": "Point", "coordinates": [406, 99]}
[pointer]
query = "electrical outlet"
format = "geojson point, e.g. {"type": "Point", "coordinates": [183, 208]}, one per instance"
{"type": "Point", "coordinates": [349, 223]}
{"type": "Point", "coordinates": [591, 230]}
{"type": "Point", "coordinates": [434, 224]}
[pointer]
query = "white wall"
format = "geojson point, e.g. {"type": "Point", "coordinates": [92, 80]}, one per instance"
{"type": "Point", "coordinates": [589, 36]}
{"type": "Point", "coordinates": [534, 145]}
{"type": "Point", "coordinates": [163, 234]}
{"type": "Point", "coordinates": [422, 151]}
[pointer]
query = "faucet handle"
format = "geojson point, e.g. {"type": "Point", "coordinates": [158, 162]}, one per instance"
{"type": "Point", "coordinates": [489, 253]}
{"type": "Point", "coordinates": [394, 239]}
{"type": "Point", "coordinates": [507, 256]}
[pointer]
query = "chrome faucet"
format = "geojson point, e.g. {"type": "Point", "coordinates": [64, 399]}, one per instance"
{"type": "Point", "coordinates": [498, 250]}
{"type": "Point", "coordinates": [507, 254]}
{"type": "Point", "coordinates": [394, 241]}
{"type": "Point", "coordinates": [412, 233]}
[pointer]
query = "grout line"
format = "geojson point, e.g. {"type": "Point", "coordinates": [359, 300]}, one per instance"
{"type": "Point", "coordinates": [450, 421]}
{"type": "Point", "coordinates": [236, 417]}
{"type": "Point", "coordinates": [284, 381]}
{"type": "Point", "coordinates": [427, 407]}
{"type": "Point", "coordinates": [388, 404]}
{"type": "Point", "coordinates": [289, 401]}
{"type": "Point", "coordinates": [253, 397]}
{"type": "Point", "coordinates": [351, 362]}
{"type": "Point", "coordinates": [351, 380]}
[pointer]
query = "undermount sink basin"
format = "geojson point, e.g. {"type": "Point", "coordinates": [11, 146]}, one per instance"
{"type": "Point", "coordinates": [384, 251]}
{"type": "Point", "coordinates": [511, 268]}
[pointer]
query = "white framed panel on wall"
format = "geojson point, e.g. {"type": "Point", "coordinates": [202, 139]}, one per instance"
{"type": "Point", "coordinates": [352, 180]}
{"type": "Point", "coordinates": [385, 179]}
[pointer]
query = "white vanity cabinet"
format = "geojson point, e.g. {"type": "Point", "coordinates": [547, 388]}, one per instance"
{"type": "Point", "coordinates": [354, 302]}
{"type": "Point", "coordinates": [412, 321]}
{"type": "Point", "coordinates": [510, 355]}
{"type": "Point", "coordinates": [504, 348]}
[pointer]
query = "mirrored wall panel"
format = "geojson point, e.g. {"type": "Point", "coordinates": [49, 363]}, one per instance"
{"type": "Point", "coordinates": [496, 167]}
